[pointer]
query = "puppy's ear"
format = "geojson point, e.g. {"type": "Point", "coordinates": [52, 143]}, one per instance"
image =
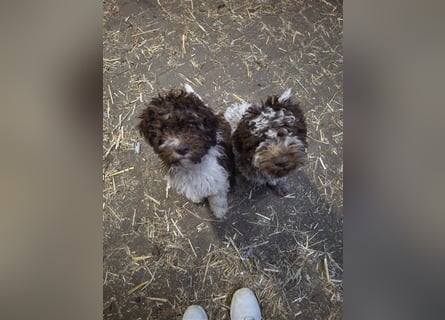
{"type": "Point", "coordinates": [210, 125]}
{"type": "Point", "coordinates": [211, 121]}
{"type": "Point", "coordinates": [146, 117]}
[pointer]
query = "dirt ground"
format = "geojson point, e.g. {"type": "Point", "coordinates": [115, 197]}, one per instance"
{"type": "Point", "coordinates": [162, 254]}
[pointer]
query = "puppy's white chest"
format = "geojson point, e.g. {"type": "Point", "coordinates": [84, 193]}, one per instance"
{"type": "Point", "coordinates": [201, 180]}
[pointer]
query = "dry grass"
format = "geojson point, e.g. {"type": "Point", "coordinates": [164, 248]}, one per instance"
{"type": "Point", "coordinates": [162, 253]}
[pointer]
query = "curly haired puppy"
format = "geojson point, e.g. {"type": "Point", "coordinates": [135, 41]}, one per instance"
{"type": "Point", "coordinates": [193, 144]}
{"type": "Point", "coordinates": [269, 140]}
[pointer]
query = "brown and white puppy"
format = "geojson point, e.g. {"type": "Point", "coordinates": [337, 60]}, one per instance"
{"type": "Point", "coordinates": [269, 140]}
{"type": "Point", "coordinates": [193, 144]}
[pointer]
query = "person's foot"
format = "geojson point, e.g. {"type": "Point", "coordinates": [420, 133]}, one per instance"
{"type": "Point", "coordinates": [245, 305]}
{"type": "Point", "coordinates": [194, 313]}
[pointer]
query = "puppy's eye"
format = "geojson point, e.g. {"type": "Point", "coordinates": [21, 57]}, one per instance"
{"type": "Point", "coordinates": [282, 132]}
{"type": "Point", "coordinates": [161, 141]}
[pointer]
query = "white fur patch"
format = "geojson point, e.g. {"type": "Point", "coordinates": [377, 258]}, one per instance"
{"type": "Point", "coordinates": [285, 96]}
{"type": "Point", "coordinates": [270, 118]}
{"type": "Point", "coordinates": [272, 134]}
{"type": "Point", "coordinates": [201, 180]}
{"type": "Point", "coordinates": [234, 114]}
{"type": "Point", "coordinates": [188, 88]}
{"type": "Point", "coordinates": [170, 143]}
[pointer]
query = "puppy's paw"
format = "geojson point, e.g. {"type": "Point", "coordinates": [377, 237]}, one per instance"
{"type": "Point", "coordinates": [196, 200]}
{"type": "Point", "coordinates": [282, 188]}
{"type": "Point", "coordinates": [218, 205]}
{"type": "Point", "coordinates": [220, 213]}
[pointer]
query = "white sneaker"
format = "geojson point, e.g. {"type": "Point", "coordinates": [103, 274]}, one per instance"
{"type": "Point", "coordinates": [194, 313]}
{"type": "Point", "coordinates": [245, 306]}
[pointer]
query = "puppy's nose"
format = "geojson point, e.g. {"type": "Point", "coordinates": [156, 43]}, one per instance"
{"type": "Point", "coordinates": [282, 162]}
{"type": "Point", "coordinates": [183, 149]}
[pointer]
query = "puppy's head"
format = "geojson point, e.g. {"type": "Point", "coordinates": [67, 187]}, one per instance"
{"type": "Point", "coordinates": [273, 137]}
{"type": "Point", "coordinates": [179, 127]}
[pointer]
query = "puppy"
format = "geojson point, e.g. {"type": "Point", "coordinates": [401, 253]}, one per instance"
{"type": "Point", "coordinates": [269, 140]}
{"type": "Point", "coordinates": [193, 145]}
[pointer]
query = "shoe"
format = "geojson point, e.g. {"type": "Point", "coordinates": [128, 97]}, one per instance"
{"type": "Point", "coordinates": [195, 313]}
{"type": "Point", "coordinates": [245, 305]}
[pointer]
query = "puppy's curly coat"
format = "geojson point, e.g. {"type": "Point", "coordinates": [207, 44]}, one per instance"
{"type": "Point", "coordinates": [193, 144]}
{"type": "Point", "coordinates": [269, 140]}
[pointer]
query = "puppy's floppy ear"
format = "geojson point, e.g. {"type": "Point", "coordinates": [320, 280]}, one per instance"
{"type": "Point", "coordinates": [211, 122]}
{"type": "Point", "coordinates": [146, 117]}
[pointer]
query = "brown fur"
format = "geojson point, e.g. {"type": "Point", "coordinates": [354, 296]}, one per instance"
{"type": "Point", "coordinates": [226, 143]}
{"type": "Point", "coordinates": [290, 157]}
{"type": "Point", "coordinates": [183, 115]}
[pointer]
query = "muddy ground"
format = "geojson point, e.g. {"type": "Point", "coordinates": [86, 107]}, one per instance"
{"type": "Point", "coordinates": [162, 254]}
